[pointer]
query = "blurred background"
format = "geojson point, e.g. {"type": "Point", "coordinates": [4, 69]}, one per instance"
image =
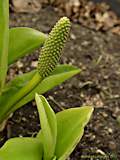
{"type": "Point", "coordinates": [95, 14]}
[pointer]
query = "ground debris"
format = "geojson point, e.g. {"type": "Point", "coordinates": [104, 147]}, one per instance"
{"type": "Point", "coordinates": [26, 6]}
{"type": "Point", "coordinates": [96, 16]}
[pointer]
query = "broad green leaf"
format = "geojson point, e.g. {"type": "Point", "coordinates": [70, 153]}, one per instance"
{"type": "Point", "coordinates": [19, 81]}
{"type": "Point", "coordinates": [22, 149]}
{"type": "Point", "coordinates": [70, 127]}
{"type": "Point", "coordinates": [60, 74]}
{"type": "Point", "coordinates": [4, 40]}
{"type": "Point", "coordinates": [48, 126]}
{"type": "Point", "coordinates": [23, 41]}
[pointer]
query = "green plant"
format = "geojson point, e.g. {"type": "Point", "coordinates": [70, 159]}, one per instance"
{"type": "Point", "coordinates": [17, 42]}
{"type": "Point", "coordinates": [57, 138]}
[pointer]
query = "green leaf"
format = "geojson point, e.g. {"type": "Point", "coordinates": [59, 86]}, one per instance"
{"type": "Point", "coordinates": [19, 81]}
{"type": "Point", "coordinates": [23, 41]}
{"type": "Point", "coordinates": [70, 126]}
{"type": "Point", "coordinates": [4, 40]}
{"type": "Point", "coordinates": [60, 74]}
{"type": "Point", "coordinates": [48, 126]}
{"type": "Point", "coordinates": [54, 158]}
{"type": "Point", "coordinates": [22, 149]}
{"type": "Point", "coordinates": [14, 86]}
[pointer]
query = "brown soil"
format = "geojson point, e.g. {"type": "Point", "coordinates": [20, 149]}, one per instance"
{"type": "Point", "coordinates": [98, 55]}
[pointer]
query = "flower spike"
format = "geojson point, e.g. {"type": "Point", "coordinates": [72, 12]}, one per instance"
{"type": "Point", "coordinates": [51, 51]}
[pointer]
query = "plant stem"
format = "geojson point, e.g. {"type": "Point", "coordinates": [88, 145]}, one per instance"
{"type": "Point", "coordinates": [23, 92]}
{"type": "Point", "coordinates": [4, 40]}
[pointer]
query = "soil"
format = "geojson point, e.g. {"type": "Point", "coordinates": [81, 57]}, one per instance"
{"type": "Point", "coordinates": [98, 56]}
{"type": "Point", "coordinates": [98, 16]}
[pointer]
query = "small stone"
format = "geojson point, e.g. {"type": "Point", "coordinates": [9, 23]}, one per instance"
{"type": "Point", "coordinates": [112, 145]}
{"type": "Point", "coordinates": [92, 137]}
{"type": "Point", "coordinates": [34, 64]}
{"type": "Point", "coordinates": [85, 43]}
{"type": "Point", "coordinates": [104, 114]}
{"type": "Point", "coordinates": [20, 135]}
{"type": "Point", "coordinates": [73, 36]}
{"type": "Point", "coordinates": [19, 64]}
{"type": "Point", "coordinates": [110, 130]}
{"type": "Point", "coordinates": [23, 119]}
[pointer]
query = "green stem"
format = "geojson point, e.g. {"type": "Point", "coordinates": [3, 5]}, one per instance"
{"type": "Point", "coordinates": [23, 92]}
{"type": "Point", "coordinates": [4, 40]}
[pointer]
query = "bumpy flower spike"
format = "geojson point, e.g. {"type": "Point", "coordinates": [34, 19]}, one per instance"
{"type": "Point", "coordinates": [53, 46]}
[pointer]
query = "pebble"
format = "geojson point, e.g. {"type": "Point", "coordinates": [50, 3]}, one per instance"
{"type": "Point", "coordinates": [24, 119]}
{"type": "Point", "coordinates": [72, 36]}
{"type": "Point", "coordinates": [112, 145]}
{"type": "Point", "coordinates": [19, 64]}
{"type": "Point", "coordinates": [104, 114]}
{"type": "Point", "coordinates": [110, 130]}
{"type": "Point", "coordinates": [34, 63]}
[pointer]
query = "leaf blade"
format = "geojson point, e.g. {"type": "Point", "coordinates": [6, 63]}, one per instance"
{"type": "Point", "coordinates": [71, 122]}
{"type": "Point", "coordinates": [28, 40]}
{"type": "Point", "coordinates": [22, 149]}
{"type": "Point", "coordinates": [48, 126]}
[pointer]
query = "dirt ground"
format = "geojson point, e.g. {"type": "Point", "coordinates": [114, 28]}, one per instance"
{"type": "Point", "coordinates": [98, 55]}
